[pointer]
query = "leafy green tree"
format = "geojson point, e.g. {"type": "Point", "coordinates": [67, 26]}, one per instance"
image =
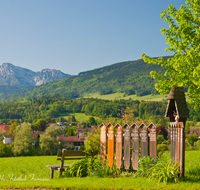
{"type": "Point", "coordinates": [48, 141]}
{"type": "Point", "coordinates": [192, 138]}
{"type": "Point", "coordinates": [35, 127]}
{"type": "Point", "coordinates": [42, 124]}
{"type": "Point", "coordinates": [23, 140]}
{"type": "Point", "coordinates": [12, 128]}
{"type": "Point", "coordinates": [70, 131]}
{"type": "Point", "coordinates": [92, 143]}
{"type": "Point", "coordinates": [160, 139]}
{"type": "Point", "coordinates": [73, 118]}
{"type": "Point", "coordinates": [91, 120]}
{"type": "Point", "coordinates": [2, 133]}
{"type": "Point", "coordinates": [183, 69]}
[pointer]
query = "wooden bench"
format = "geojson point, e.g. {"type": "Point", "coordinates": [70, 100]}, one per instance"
{"type": "Point", "coordinates": [61, 155]}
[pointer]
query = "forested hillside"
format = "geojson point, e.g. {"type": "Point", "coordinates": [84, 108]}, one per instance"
{"type": "Point", "coordinates": [55, 107]}
{"type": "Point", "coordinates": [130, 77]}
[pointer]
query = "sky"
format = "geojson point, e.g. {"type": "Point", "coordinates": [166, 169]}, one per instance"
{"type": "Point", "coordinates": [79, 35]}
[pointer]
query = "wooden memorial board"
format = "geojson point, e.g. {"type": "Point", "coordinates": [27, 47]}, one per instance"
{"type": "Point", "coordinates": [135, 146]}
{"type": "Point", "coordinates": [110, 144]}
{"type": "Point", "coordinates": [172, 126]}
{"type": "Point", "coordinates": [127, 143]}
{"type": "Point", "coordinates": [152, 141]}
{"type": "Point", "coordinates": [118, 146]}
{"type": "Point", "coordinates": [103, 142]}
{"type": "Point", "coordinates": [144, 140]}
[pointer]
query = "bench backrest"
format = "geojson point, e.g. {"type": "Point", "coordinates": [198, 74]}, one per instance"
{"type": "Point", "coordinates": [68, 155]}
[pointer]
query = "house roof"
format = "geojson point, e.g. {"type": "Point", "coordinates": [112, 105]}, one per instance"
{"type": "Point", "coordinates": [5, 127]}
{"type": "Point", "coordinates": [178, 96]}
{"type": "Point", "coordinates": [71, 138]}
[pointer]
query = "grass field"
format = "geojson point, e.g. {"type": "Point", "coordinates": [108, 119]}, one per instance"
{"type": "Point", "coordinates": [121, 96]}
{"type": "Point", "coordinates": [31, 172]}
{"type": "Point", "coordinates": [79, 116]}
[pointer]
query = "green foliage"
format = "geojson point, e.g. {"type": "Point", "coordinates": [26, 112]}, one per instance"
{"type": "Point", "coordinates": [131, 77]}
{"type": "Point", "coordinates": [6, 150]}
{"type": "Point", "coordinates": [92, 143]}
{"type": "Point", "coordinates": [91, 120]}
{"type": "Point", "coordinates": [183, 69]}
{"type": "Point", "coordinates": [145, 164]}
{"type": "Point", "coordinates": [80, 169]}
{"type": "Point", "coordinates": [48, 141]}
{"type": "Point", "coordinates": [164, 171]}
{"type": "Point", "coordinates": [160, 139]}
{"type": "Point", "coordinates": [192, 138]}
{"type": "Point", "coordinates": [82, 147]}
{"type": "Point", "coordinates": [35, 127]}
{"type": "Point", "coordinates": [161, 148]}
{"type": "Point", "coordinates": [2, 133]}
{"type": "Point", "coordinates": [23, 140]}
{"type": "Point", "coordinates": [73, 118]}
{"type": "Point", "coordinates": [12, 128]}
{"type": "Point", "coordinates": [70, 131]}
{"type": "Point", "coordinates": [198, 144]}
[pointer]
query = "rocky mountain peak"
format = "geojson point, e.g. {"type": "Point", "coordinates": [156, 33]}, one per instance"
{"type": "Point", "coordinates": [14, 75]}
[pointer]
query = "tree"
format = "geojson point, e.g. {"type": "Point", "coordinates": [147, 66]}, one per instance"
{"type": "Point", "coordinates": [92, 143]}
{"type": "Point", "coordinates": [73, 118]}
{"type": "Point", "coordinates": [162, 131]}
{"type": "Point", "coordinates": [91, 120]}
{"type": "Point", "coordinates": [192, 138]}
{"type": "Point", "coordinates": [160, 139]}
{"type": "Point", "coordinates": [35, 127]}
{"type": "Point", "coordinates": [23, 140]}
{"type": "Point", "coordinates": [12, 128]}
{"type": "Point", "coordinates": [2, 133]}
{"type": "Point", "coordinates": [183, 69]}
{"type": "Point", "coordinates": [70, 131]}
{"type": "Point", "coordinates": [48, 141]}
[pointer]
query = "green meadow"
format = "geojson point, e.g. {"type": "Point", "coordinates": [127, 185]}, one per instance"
{"type": "Point", "coordinates": [118, 96]}
{"type": "Point", "coordinates": [31, 172]}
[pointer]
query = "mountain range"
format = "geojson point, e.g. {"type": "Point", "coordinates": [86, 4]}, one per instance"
{"type": "Point", "coordinates": [130, 77]}
{"type": "Point", "coordinates": [18, 76]}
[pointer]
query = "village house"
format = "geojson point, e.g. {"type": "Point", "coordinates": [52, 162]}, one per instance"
{"type": "Point", "coordinates": [7, 140]}
{"type": "Point", "coordinates": [72, 140]}
{"type": "Point", "coordinates": [5, 127]}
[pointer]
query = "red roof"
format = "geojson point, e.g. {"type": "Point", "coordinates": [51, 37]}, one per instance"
{"type": "Point", "coordinates": [71, 138]}
{"type": "Point", "coordinates": [5, 127]}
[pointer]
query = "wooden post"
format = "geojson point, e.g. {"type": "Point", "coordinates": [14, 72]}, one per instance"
{"type": "Point", "coordinates": [152, 141]}
{"type": "Point", "coordinates": [110, 144]}
{"type": "Point", "coordinates": [118, 146]}
{"type": "Point", "coordinates": [103, 143]}
{"type": "Point", "coordinates": [177, 112]}
{"type": "Point", "coordinates": [144, 140]}
{"type": "Point", "coordinates": [135, 146]}
{"type": "Point", "coordinates": [127, 143]}
{"type": "Point", "coordinates": [61, 163]}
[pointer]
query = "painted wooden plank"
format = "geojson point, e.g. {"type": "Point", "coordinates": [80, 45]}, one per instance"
{"type": "Point", "coordinates": [135, 146]}
{"type": "Point", "coordinates": [178, 146]}
{"type": "Point", "coordinates": [103, 142]}
{"type": "Point", "coordinates": [144, 140]}
{"type": "Point", "coordinates": [127, 144]}
{"type": "Point", "coordinates": [152, 141]}
{"type": "Point", "coordinates": [110, 144]}
{"type": "Point", "coordinates": [118, 128]}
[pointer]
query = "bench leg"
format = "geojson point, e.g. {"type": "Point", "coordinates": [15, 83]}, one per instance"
{"type": "Point", "coordinates": [52, 174]}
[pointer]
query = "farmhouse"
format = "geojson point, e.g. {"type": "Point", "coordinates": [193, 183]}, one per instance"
{"type": "Point", "coordinates": [72, 140]}
{"type": "Point", "coordinates": [5, 127]}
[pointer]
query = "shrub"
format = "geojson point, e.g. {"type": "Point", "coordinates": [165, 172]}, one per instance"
{"type": "Point", "coordinates": [164, 172]}
{"type": "Point", "coordinates": [198, 145]}
{"type": "Point", "coordinates": [144, 165]}
{"type": "Point", "coordinates": [161, 148]}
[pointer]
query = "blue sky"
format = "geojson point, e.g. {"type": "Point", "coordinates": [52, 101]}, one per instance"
{"type": "Point", "coordinates": [79, 35]}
